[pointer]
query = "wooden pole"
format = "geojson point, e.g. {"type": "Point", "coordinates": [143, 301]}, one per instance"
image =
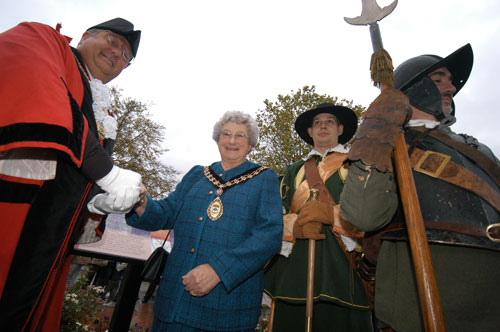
{"type": "Point", "coordinates": [383, 75]}
{"type": "Point", "coordinates": [271, 317]}
{"type": "Point", "coordinates": [310, 284]}
{"type": "Point", "coordinates": [424, 271]}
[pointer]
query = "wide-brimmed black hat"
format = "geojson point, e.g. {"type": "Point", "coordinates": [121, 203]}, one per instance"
{"type": "Point", "coordinates": [122, 27]}
{"type": "Point", "coordinates": [459, 63]}
{"type": "Point", "coordinates": [344, 115]}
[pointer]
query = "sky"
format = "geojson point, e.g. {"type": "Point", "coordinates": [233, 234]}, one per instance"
{"type": "Point", "coordinates": [198, 59]}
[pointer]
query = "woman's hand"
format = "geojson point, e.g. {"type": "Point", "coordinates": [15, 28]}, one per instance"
{"type": "Point", "coordinates": [200, 280]}
{"type": "Point", "coordinates": [140, 207]}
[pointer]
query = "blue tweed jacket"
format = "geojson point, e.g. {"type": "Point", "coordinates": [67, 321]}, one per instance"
{"type": "Point", "coordinates": [237, 246]}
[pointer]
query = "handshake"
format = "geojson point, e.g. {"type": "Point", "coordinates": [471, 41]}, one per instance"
{"type": "Point", "coordinates": [122, 191]}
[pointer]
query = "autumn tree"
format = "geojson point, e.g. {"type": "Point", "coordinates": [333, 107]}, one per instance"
{"type": "Point", "coordinates": [279, 145]}
{"type": "Point", "coordinates": [138, 145]}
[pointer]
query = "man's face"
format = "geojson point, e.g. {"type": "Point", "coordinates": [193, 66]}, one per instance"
{"type": "Point", "coordinates": [325, 131]}
{"type": "Point", "coordinates": [105, 54]}
{"type": "Point", "coordinates": [443, 80]}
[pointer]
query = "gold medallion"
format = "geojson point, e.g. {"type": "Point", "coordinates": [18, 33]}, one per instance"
{"type": "Point", "coordinates": [215, 209]}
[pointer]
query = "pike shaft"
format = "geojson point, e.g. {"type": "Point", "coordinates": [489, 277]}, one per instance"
{"type": "Point", "coordinates": [376, 37]}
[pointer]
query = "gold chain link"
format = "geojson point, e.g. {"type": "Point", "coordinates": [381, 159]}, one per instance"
{"type": "Point", "coordinates": [243, 178]}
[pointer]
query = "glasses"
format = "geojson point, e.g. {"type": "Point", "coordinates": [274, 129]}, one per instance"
{"type": "Point", "coordinates": [238, 137]}
{"type": "Point", "coordinates": [115, 42]}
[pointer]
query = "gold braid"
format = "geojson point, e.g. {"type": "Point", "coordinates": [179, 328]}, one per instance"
{"type": "Point", "coordinates": [82, 69]}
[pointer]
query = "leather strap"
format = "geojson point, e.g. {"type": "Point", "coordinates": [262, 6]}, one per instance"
{"type": "Point", "coordinates": [315, 182]}
{"type": "Point", "coordinates": [488, 165]}
{"type": "Point", "coordinates": [327, 167]}
{"type": "Point", "coordinates": [340, 225]}
{"type": "Point", "coordinates": [448, 226]}
{"type": "Point", "coordinates": [440, 166]}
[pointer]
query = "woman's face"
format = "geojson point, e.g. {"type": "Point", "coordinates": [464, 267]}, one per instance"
{"type": "Point", "coordinates": [233, 144]}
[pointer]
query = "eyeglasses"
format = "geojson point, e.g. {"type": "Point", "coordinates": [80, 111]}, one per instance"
{"type": "Point", "coordinates": [115, 42]}
{"type": "Point", "coordinates": [238, 137]}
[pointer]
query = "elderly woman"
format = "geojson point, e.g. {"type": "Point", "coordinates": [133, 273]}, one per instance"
{"type": "Point", "coordinates": [227, 220]}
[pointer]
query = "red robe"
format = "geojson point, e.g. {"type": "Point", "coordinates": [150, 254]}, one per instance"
{"type": "Point", "coordinates": [45, 104]}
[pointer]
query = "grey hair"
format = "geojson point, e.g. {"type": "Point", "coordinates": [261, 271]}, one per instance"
{"type": "Point", "coordinates": [93, 32]}
{"type": "Point", "coordinates": [241, 118]}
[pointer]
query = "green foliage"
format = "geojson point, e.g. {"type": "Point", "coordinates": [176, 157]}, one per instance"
{"type": "Point", "coordinates": [81, 306]}
{"type": "Point", "coordinates": [279, 145]}
{"type": "Point", "coordinates": [138, 145]}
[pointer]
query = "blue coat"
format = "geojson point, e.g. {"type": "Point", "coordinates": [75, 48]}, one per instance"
{"type": "Point", "coordinates": [236, 246]}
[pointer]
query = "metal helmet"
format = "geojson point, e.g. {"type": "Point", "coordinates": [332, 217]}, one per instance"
{"type": "Point", "coordinates": [411, 71]}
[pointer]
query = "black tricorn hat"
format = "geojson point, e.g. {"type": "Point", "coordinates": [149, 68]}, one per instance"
{"type": "Point", "coordinates": [344, 115]}
{"type": "Point", "coordinates": [122, 27]}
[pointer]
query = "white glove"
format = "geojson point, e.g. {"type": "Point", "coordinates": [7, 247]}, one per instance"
{"type": "Point", "coordinates": [107, 203]}
{"type": "Point", "coordinates": [122, 187]}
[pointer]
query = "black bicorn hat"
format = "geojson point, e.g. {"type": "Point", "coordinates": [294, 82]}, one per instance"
{"type": "Point", "coordinates": [124, 28]}
{"type": "Point", "coordinates": [346, 117]}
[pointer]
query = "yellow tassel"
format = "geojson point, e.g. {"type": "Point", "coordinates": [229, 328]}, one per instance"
{"type": "Point", "coordinates": [381, 68]}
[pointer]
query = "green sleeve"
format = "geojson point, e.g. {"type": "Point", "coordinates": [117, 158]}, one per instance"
{"type": "Point", "coordinates": [287, 183]}
{"type": "Point", "coordinates": [287, 189]}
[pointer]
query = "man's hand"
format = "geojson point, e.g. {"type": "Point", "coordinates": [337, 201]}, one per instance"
{"type": "Point", "coordinates": [112, 203]}
{"type": "Point", "coordinates": [123, 188]}
{"type": "Point", "coordinates": [376, 136]}
{"type": "Point", "coordinates": [200, 280]}
{"type": "Point", "coordinates": [316, 211]}
{"type": "Point", "coordinates": [311, 218]}
{"type": "Point", "coordinates": [310, 230]}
